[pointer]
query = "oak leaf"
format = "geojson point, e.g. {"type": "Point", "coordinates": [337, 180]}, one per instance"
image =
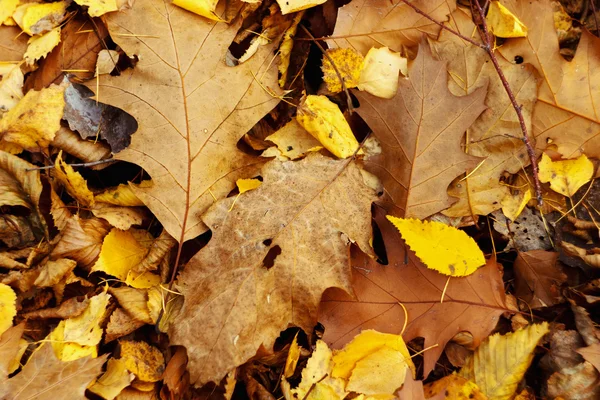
{"type": "Point", "coordinates": [538, 276]}
{"type": "Point", "coordinates": [420, 131]}
{"type": "Point", "coordinates": [188, 103]}
{"type": "Point", "coordinates": [254, 279]}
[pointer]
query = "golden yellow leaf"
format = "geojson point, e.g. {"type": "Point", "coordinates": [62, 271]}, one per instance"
{"type": "Point", "coordinates": [503, 23]}
{"type": "Point", "coordinates": [37, 18]}
{"type": "Point", "coordinates": [379, 373]}
{"type": "Point", "coordinates": [73, 182]}
{"type": "Point", "coordinates": [155, 302]}
{"type": "Point", "coordinates": [316, 383]}
{"type": "Point", "coordinates": [514, 203]}
{"type": "Point", "coordinates": [145, 361]}
{"type": "Point", "coordinates": [380, 73]}
{"type": "Point", "coordinates": [34, 121]}
{"type": "Point", "coordinates": [443, 248]}
{"type": "Point", "coordinates": [11, 86]}
{"type": "Point", "coordinates": [293, 141]}
{"type": "Point", "coordinates": [348, 63]}
{"type": "Point", "coordinates": [8, 307]}
{"type": "Point", "coordinates": [120, 252]}
{"type": "Point", "coordinates": [290, 6]}
{"type": "Point", "coordinates": [499, 363]}
{"type": "Point", "coordinates": [323, 119]}
{"type": "Point", "coordinates": [566, 176]}
{"type": "Point", "coordinates": [285, 48]}
{"type": "Point", "coordinates": [247, 184]}
{"type": "Point", "coordinates": [113, 381]}
{"type": "Point", "coordinates": [7, 8]}
{"type": "Point", "coordinates": [97, 8]}
{"type": "Point", "coordinates": [455, 388]}
{"type": "Point", "coordinates": [40, 46]}
{"type": "Point", "coordinates": [204, 8]}
{"type": "Point", "coordinates": [16, 361]}
{"type": "Point", "coordinates": [292, 359]}
{"type": "Point", "coordinates": [122, 195]}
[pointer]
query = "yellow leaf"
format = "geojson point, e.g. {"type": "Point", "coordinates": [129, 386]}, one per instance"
{"type": "Point", "coordinates": [324, 120]}
{"type": "Point", "coordinates": [68, 351]}
{"type": "Point", "coordinates": [11, 86]}
{"type": "Point", "coordinates": [503, 23]}
{"type": "Point", "coordinates": [37, 18]}
{"type": "Point", "coordinates": [293, 141]}
{"type": "Point", "coordinates": [119, 254]}
{"type": "Point", "coordinates": [443, 248]}
{"type": "Point", "coordinates": [513, 204]}
{"type": "Point", "coordinates": [73, 182]}
{"type": "Point", "coordinates": [290, 6]}
{"type": "Point", "coordinates": [8, 307]}
{"type": "Point", "coordinates": [319, 365]}
{"type": "Point", "coordinates": [245, 185]}
{"type": "Point", "coordinates": [7, 8]}
{"type": "Point", "coordinates": [205, 8]}
{"type": "Point", "coordinates": [34, 121]}
{"type": "Point", "coordinates": [122, 195]}
{"type": "Point", "coordinates": [285, 48]}
{"type": "Point", "coordinates": [113, 381]}
{"type": "Point", "coordinates": [155, 302]}
{"type": "Point", "coordinates": [499, 363]}
{"type": "Point", "coordinates": [567, 176]}
{"type": "Point", "coordinates": [97, 8]}
{"type": "Point", "coordinates": [292, 359]}
{"type": "Point", "coordinates": [380, 72]}
{"type": "Point", "coordinates": [145, 361]}
{"type": "Point", "coordinates": [16, 362]}
{"type": "Point", "coordinates": [40, 46]}
{"type": "Point", "coordinates": [348, 62]}
{"type": "Point", "coordinates": [455, 388]}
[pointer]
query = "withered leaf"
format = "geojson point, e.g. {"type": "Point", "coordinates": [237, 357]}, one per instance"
{"type": "Point", "coordinates": [121, 324]}
{"type": "Point", "coordinates": [253, 279]}
{"type": "Point", "coordinates": [538, 276]}
{"type": "Point", "coordinates": [85, 150]}
{"type": "Point", "coordinates": [9, 347]}
{"type": "Point", "coordinates": [68, 309]}
{"type": "Point", "coordinates": [81, 240]}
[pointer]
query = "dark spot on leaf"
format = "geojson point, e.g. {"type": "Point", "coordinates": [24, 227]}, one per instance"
{"type": "Point", "coordinates": [518, 60]}
{"type": "Point", "coordinates": [267, 242]}
{"type": "Point", "coordinates": [269, 259]}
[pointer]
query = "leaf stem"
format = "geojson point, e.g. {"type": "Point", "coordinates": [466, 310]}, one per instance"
{"type": "Point", "coordinates": [88, 164]}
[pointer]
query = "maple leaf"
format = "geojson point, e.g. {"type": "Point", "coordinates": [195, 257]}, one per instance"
{"type": "Point", "coordinates": [567, 113]}
{"type": "Point", "coordinates": [302, 216]}
{"type": "Point", "coordinates": [192, 109]}
{"type": "Point", "coordinates": [420, 131]}
{"type": "Point", "coordinates": [472, 303]}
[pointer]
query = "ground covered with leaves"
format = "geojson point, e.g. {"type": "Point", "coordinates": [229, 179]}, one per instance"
{"type": "Point", "coordinates": [299, 199]}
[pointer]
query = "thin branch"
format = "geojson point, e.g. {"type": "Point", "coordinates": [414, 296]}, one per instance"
{"type": "Point", "coordinates": [339, 75]}
{"type": "Point", "coordinates": [88, 164]}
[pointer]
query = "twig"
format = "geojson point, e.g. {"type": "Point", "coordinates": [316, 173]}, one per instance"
{"type": "Point", "coordinates": [339, 75]}
{"type": "Point", "coordinates": [88, 164]}
{"type": "Point", "coordinates": [489, 48]}
{"type": "Point", "coordinates": [595, 16]}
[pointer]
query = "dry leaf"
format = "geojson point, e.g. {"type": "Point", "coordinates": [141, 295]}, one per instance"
{"type": "Point", "coordinates": [380, 73]}
{"type": "Point", "coordinates": [120, 217]}
{"type": "Point", "coordinates": [67, 309]}
{"type": "Point", "coordinates": [96, 8]}
{"type": "Point", "coordinates": [40, 46]}
{"type": "Point", "coordinates": [579, 382]}
{"type": "Point", "coordinates": [454, 387]}
{"type": "Point", "coordinates": [73, 182]}
{"type": "Point", "coordinates": [249, 282]}
{"type": "Point", "coordinates": [145, 361]}
{"type": "Point", "coordinates": [9, 349]}
{"type": "Point", "coordinates": [176, 379]}
{"type": "Point", "coordinates": [38, 18]}
{"type": "Point", "coordinates": [290, 6]}
{"type": "Point", "coordinates": [54, 271]}
{"type": "Point", "coordinates": [14, 44]}
{"type": "Point", "coordinates": [107, 61]}
{"type": "Point", "coordinates": [134, 302]}
{"type": "Point", "coordinates": [591, 354]}
{"type": "Point", "coordinates": [421, 149]}
{"type": "Point", "coordinates": [293, 141]}
{"type": "Point", "coordinates": [349, 65]}
{"type": "Point", "coordinates": [85, 150]}
{"type": "Point", "coordinates": [11, 86]}
{"type": "Point", "coordinates": [538, 276]}
{"type": "Point", "coordinates": [123, 195]}
{"type": "Point", "coordinates": [121, 324]}
{"type": "Point", "coordinates": [81, 240]}
{"type": "Point", "coordinates": [113, 381]}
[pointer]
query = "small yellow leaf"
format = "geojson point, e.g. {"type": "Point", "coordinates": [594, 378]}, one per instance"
{"type": "Point", "coordinates": [455, 388]}
{"type": "Point", "coordinates": [245, 185]}
{"type": "Point", "coordinates": [7, 8]}
{"type": "Point", "coordinates": [567, 176]}
{"type": "Point", "coordinates": [73, 182]}
{"type": "Point", "coordinates": [499, 363]}
{"type": "Point", "coordinates": [16, 362]}
{"type": "Point", "coordinates": [285, 48]}
{"type": "Point", "coordinates": [155, 302]}
{"type": "Point", "coordinates": [514, 204]}
{"type": "Point", "coordinates": [40, 46]}
{"type": "Point", "coordinates": [204, 8]}
{"type": "Point", "coordinates": [290, 6]}
{"type": "Point", "coordinates": [119, 254]}
{"type": "Point", "coordinates": [37, 18]}
{"type": "Point", "coordinates": [319, 365]}
{"type": "Point", "coordinates": [97, 8]}
{"type": "Point", "coordinates": [113, 381]}
{"type": "Point", "coordinates": [8, 307]}
{"type": "Point", "coordinates": [348, 63]}
{"type": "Point", "coordinates": [292, 358]}
{"type": "Point", "coordinates": [293, 141]}
{"type": "Point", "coordinates": [443, 248]}
{"type": "Point", "coordinates": [380, 73]}
{"type": "Point", "coordinates": [145, 361]}
{"type": "Point", "coordinates": [323, 119]}
{"type": "Point", "coordinates": [11, 86]}
{"type": "Point", "coordinates": [503, 23]}
{"type": "Point", "coordinates": [122, 195]}
{"type": "Point", "coordinates": [34, 121]}
{"type": "Point", "coordinates": [68, 351]}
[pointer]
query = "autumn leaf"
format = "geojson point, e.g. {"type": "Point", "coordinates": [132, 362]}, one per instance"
{"type": "Point", "coordinates": [9, 349]}
{"type": "Point", "coordinates": [538, 276]}
{"type": "Point", "coordinates": [379, 75]}
{"type": "Point", "coordinates": [143, 360]}
{"type": "Point", "coordinates": [566, 176]}
{"type": "Point", "coordinates": [8, 307]}
{"type": "Point", "coordinates": [503, 23]}
{"type": "Point", "coordinates": [591, 354]}
{"type": "Point", "coordinates": [421, 149]}
{"type": "Point", "coordinates": [216, 106]}
{"type": "Point", "coordinates": [252, 280]}
{"type": "Point", "coordinates": [454, 387]}
{"type": "Point", "coordinates": [113, 381]}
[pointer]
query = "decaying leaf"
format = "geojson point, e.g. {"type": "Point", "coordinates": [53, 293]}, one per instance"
{"type": "Point", "coordinates": [38, 18]}
{"type": "Point", "coordinates": [96, 8]}
{"type": "Point", "coordinates": [11, 86]}
{"type": "Point", "coordinates": [348, 63]}
{"type": "Point", "coordinates": [122, 218]}
{"type": "Point", "coordinates": [9, 349]}
{"type": "Point", "coordinates": [143, 360]}
{"type": "Point", "coordinates": [454, 387]}
{"type": "Point", "coordinates": [73, 182]}
{"type": "Point", "coordinates": [122, 195]}
{"type": "Point", "coordinates": [121, 324]}
{"type": "Point", "coordinates": [538, 276]}
{"type": "Point", "coordinates": [81, 240]}
{"type": "Point", "coordinates": [591, 354]}
{"type": "Point", "coordinates": [380, 72]}
{"type": "Point", "coordinates": [107, 61]}
{"type": "Point", "coordinates": [86, 150]}
{"type": "Point", "coordinates": [292, 141]}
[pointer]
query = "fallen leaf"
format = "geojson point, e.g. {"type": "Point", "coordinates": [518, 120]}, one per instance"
{"type": "Point", "coordinates": [44, 376]}
{"type": "Point", "coordinates": [511, 354]}
{"type": "Point", "coordinates": [526, 233]}
{"type": "Point", "coordinates": [245, 185]}
{"type": "Point", "coordinates": [454, 387]}
{"type": "Point", "coordinates": [40, 46]}
{"type": "Point", "coordinates": [11, 86]}
{"type": "Point", "coordinates": [176, 379]}
{"type": "Point", "coordinates": [411, 389]}
{"type": "Point", "coordinates": [120, 217]}
{"type": "Point", "coordinates": [292, 359]}
{"type": "Point", "coordinates": [67, 309]}
{"type": "Point", "coordinates": [221, 105]}
{"type": "Point", "coordinates": [8, 305]}
{"type": "Point", "coordinates": [515, 202]}
{"type": "Point", "coordinates": [86, 150]}
{"type": "Point", "coordinates": [121, 324]}
{"type": "Point", "coordinates": [591, 354]}
{"type": "Point", "coordinates": [73, 182]}
{"type": "Point", "coordinates": [581, 381]}
{"type": "Point", "coordinates": [566, 176]}
{"type": "Point", "coordinates": [348, 63]}
{"type": "Point", "coordinates": [122, 195]}
{"type": "Point", "coordinates": [143, 360]}
{"type": "Point", "coordinates": [286, 47]}
{"type": "Point", "coordinates": [38, 18]}
{"type": "Point", "coordinates": [293, 141]}
{"type": "Point", "coordinates": [54, 271]}
{"type": "Point", "coordinates": [96, 8]}
{"type": "Point", "coordinates": [538, 276]}
{"type": "Point", "coordinates": [265, 282]}
{"type": "Point", "coordinates": [81, 240]}
{"type": "Point", "coordinates": [204, 8]}
{"type": "Point", "coordinates": [121, 251]}
{"type": "Point", "coordinates": [107, 61]}
{"type": "Point", "coordinates": [113, 381]}
{"type": "Point", "coordinates": [290, 6]}
{"type": "Point", "coordinates": [380, 72]}
{"type": "Point", "coordinates": [134, 302]}
{"type": "Point", "coordinates": [503, 23]}
{"type": "Point", "coordinates": [7, 8]}
{"type": "Point", "coordinates": [13, 44]}
{"type": "Point", "coordinates": [443, 248]}
{"type": "Point", "coordinates": [11, 350]}
{"type": "Point", "coordinates": [421, 149]}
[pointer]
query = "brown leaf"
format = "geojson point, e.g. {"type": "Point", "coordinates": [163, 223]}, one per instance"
{"type": "Point", "coordinates": [9, 348]}
{"type": "Point", "coordinates": [472, 303]}
{"type": "Point", "coordinates": [46, 377]}
{"type": "Point", "coordinates": [188, 103]}
{"type": "Point", "coordinates": [421, 150]}
{"type": "Point", "coordinates": [12, 43]}
{"type": "Point", "coordinates": [54, 271]}
{"type": "Point", "coordinates": [585, 326]}
{"type": "Point", "coordinates": [81, 240]}
{"type": "Point", "coordinates": [254, 279]}
{"type": "Point", "coordinates": [85, 150]}
{"type": "Point", "coordinates": [121, 324]}
{"type": "Point", "coordinates": [159, 249]}
{"type": "Point", "coordinates": [134, 302]}
{"type": "Point", "coordinates": [120, 217]}
{"type": "Point", "coordinates": [591, 354]}
{"type": "Point", "coordinates": [538, 277]}
{"type": "Point", "coordinates": [579, 382]}
{"type": "Point", "coordinates": [412, 389]}
{"type": "Point", "coordinates": [176, 379]}
{"type": "Point", "coordinates": [68, 309]}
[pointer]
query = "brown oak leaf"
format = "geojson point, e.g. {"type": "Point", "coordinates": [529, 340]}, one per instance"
{"type": "Point", "coordinates": [538, 276]}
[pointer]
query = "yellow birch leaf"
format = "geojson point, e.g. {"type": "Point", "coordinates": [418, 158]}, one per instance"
{"type": "Point", "coordinates": [40, 46]}
{"type": "Point", "coordinates": [37, 18]}
{"type": "Point", "coordinates": [143, 360]}
{"type": "Point", "coordinates": [514, 204]}
{"type": "Point", "coordinates": [503, 23]}
{"type": "Point", "coordinates": [7, 8]}
{"type": "Point", "coordinates": [16, 361]}
{"type": "Point", "coordinates": [155, 302]}
{"type": "Point", "coordinates": [566, 176]}
{"type": "Point", "coordinates": [8, 307]}
{"type": "Point", "coordinates": [499, 363]}
{"type": "Point", "coordinates": [380, 72]}
{"type": "Point", "coordinates": [120, 252]}
{"type": "Point", "coordinates": [455, 388]}
{"type": "Point", "coordinates": [292, 359]}
{"type": "Point", "coordinates": [113, 381]}
{"type": "Point", "coordinates": [245, 185]}
{"type": "Point", "coordinates": [323, 120]}
{"type": "Point", "coordinates": [204, 8]}
{"type": "Point", "coordinates": [290, 6]}
{"type": "Point", "coordinates": [293, 141]}
{"type": "Point", "coordinates": [73, 182]}
{"type": "Point", "coordinates": [68, 351]}
{"type": "Point", "coordinates": [97, 8]}
{"type": "Point", "coordinates": [11, 86]}
{"type": "Point", "coordinates": [319, 365]}
{"type": "Point", "coordinates": [122, 195]}
{"type": "Point", "coordinates": [443, 248]}
{"type": "Point", "coordinates": [349, 64]}
{"type": "Point", "coordinates": [34, 121]}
